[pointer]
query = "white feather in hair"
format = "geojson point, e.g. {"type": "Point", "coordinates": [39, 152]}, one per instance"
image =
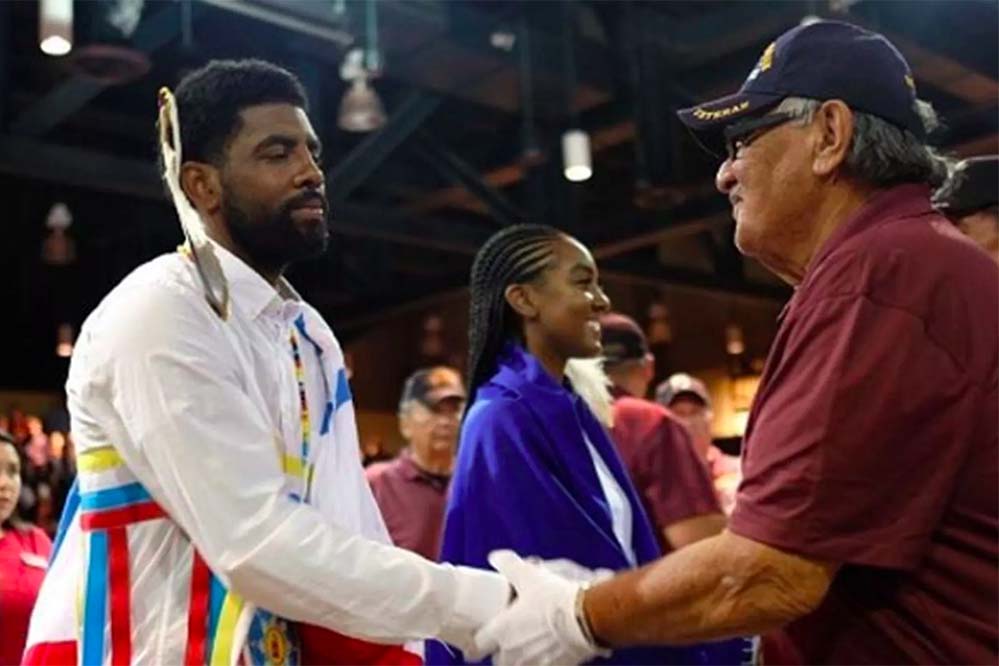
{"type": "Point", "coordinates": [591, 383]}
{"type": "Point", "coordinates": [197, 245]}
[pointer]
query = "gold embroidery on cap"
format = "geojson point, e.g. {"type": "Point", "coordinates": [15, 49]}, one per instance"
{"type": "Point", "coordinates": [909, 81]}
{"type": "Point", "coordinates": [705, 114]}
{"type": "Point", "coordinates": [767, 59]}
{"type": "Point", "coordinates": [765, 62]}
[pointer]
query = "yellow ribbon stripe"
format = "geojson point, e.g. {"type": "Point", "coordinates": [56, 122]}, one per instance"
{"type": "Point", "coordinates": [99, 460]}
{"type": "Point", "coordinates": [295, 466]}
{"type": "Point", "coordinates": [225, 631]}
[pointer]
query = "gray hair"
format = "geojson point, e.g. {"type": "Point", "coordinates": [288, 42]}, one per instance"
{"type": "Point", "coordinates": [883, 154]}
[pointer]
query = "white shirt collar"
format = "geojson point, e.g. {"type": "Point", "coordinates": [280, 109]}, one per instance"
{"type": "Point", "coordinates": [254, 295]}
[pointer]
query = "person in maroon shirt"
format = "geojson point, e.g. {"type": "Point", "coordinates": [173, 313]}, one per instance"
{"type": "Point", "coordinates": [688, 400]}
{"type": "Point", "coordinates": [865, 530]}
{"type": "Point", "coordinates": [411, 490]}
{"type": "Point", "coordinates": [671, 480]}
{"type": "Point", "coordinates": [24, 553]}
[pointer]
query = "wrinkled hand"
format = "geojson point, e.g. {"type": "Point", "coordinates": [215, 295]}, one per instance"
{"type": "Point", "coordinates": [540, 626]}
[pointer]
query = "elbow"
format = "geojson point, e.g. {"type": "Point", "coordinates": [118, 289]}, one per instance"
{"type": "Point", "coordinates": [793, 595]}
{"type": "Point", "coordinates": [230, 565]}
{"type": "Point", "coordinates": [770, 602]}
{"type": "Point", "coordinates": [237, 551]}
{"type": "Point", "coordinates": [808, 594]}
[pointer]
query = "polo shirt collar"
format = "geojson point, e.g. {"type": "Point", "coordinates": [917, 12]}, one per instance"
{"type": "Point", "coordinates": [413, 472]}
{"type": "Point", "coordinates": [902, 201]}
{"type": "Point", "coordinates": [410, 471]}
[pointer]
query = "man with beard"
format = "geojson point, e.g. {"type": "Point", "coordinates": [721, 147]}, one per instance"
{"type": "Point", "coordinates": [223, 514]}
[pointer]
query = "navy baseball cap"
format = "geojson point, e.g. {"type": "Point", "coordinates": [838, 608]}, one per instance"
{"type": "Point", "coordinates": [822, 60]}
{"type": "Point", "coordinates": [430, 386]}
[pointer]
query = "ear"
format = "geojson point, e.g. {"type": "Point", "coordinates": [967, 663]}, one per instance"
{"type": "Point", "coordinates": [202, 184]}
{"type": "Point", "coordinates": [834, 122]}
{"type": "Point", "coordinates": [519, 298]}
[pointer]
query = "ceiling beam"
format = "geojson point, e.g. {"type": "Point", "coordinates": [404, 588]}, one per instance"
{"type": "Point", "coordinates": [361, 162]}
{"type": "Point", "coordinates": [666, 230]}
{"type": "Point", "coordinates": [460, 198]}
{"type": "Point", "coordinates": [457, 170]}
{"type": "Point", "coordinates": [652, 274]}
{"type": "Point", "coordinates": [706, 37]}
{"type": "Point", "coordinates": [945, 73]}
{"type": "Point", "coordinates": [73, 94]}
{"type": "Point", "coordinates": [88, 169]}
{"type": "Point", "coordinates": [286, 16]}
{"type": "Point", "coordinates": [696, 42]}
{"type": "Point", "coordinates": [405, 305]}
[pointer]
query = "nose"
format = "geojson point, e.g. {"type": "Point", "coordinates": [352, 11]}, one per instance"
{"type": "Point", "coordinates": [725, 178]}
{"type": "Point", "coordinates": [601, 302]}
{"type": "Point", "coordinates": [311, 175]}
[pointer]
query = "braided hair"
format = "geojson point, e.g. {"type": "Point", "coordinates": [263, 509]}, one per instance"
{"type": "Point", "coordinates": [516, 254]}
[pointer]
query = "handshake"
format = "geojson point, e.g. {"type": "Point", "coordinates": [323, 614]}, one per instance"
{"type": "Point", "coordinates": [544, 623]}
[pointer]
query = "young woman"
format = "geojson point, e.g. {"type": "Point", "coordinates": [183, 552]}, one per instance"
{"type": "Point", "coordinates": [536, 472]}
{"type": "Point", "coordinates": [24, 552]}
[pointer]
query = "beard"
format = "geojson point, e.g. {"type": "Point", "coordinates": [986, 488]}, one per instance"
{"type": "Point", "coordinates": [273, 239]}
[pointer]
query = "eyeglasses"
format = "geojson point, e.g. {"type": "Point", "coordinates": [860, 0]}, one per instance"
{"type": "Point", "coordinates": [740, 135]}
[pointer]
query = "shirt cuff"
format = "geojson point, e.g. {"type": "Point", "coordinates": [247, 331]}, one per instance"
{"type": "Point", "coordinates": [480, 596]}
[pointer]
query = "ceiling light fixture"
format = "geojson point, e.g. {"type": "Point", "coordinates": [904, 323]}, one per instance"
{"type": "Point", "coordinates": [576, 158]}
{"type": "Point", "coordinates": [361, 109]}
{"type": "Point", "coordinates": [55, 27]}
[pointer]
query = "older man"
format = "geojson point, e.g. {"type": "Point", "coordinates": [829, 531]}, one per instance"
{"type": "Point", "coordinates": [866, 525]}
{"type": "Point", "coordinates": [411, 490]}
{"type": "Point", "coordinates": [688, 399]}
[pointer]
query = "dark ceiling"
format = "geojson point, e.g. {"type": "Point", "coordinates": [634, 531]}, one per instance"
{"type": "Point", "coordinates": [472, 141]}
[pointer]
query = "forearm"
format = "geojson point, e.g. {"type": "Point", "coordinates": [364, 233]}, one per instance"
{"type": "Point", "coordinates": [320, 574]}
{"type": "Point", "coordinates": [716, 588]}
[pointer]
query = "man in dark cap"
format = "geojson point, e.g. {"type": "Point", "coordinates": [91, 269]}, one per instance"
{"type": "Point", "coordinates": [970, 199]}
{"type": "Point", "coordinates": [411, 490]}
{"type": "Point", "coordinates": [865, 529]}
{"type": "Point", "coordinates": [670, 477]}
{"type": "Point", "coordinates": [689, 401]}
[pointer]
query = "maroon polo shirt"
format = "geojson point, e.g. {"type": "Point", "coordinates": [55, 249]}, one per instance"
{"type": "Point", "coordinates": [412, 503]}
{"type": "Point", "coordinates": [872, 440]}
{"type": "Point", "coordinates": [672, 482]}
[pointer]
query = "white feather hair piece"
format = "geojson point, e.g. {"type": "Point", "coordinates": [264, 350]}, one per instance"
{"type": "Point", "coordinates": [197, 245]}
{"type": "Point", "coordinates": [592, 385]}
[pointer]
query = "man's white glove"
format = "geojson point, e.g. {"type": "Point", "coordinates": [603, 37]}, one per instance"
{"type": "Point", "coordinates": [573, 570]}
{"type": "Point", "coordinates": [541, 626]}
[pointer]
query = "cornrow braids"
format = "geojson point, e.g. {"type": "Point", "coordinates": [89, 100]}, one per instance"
{"type": "Point", "coordinates": [516, 254]}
